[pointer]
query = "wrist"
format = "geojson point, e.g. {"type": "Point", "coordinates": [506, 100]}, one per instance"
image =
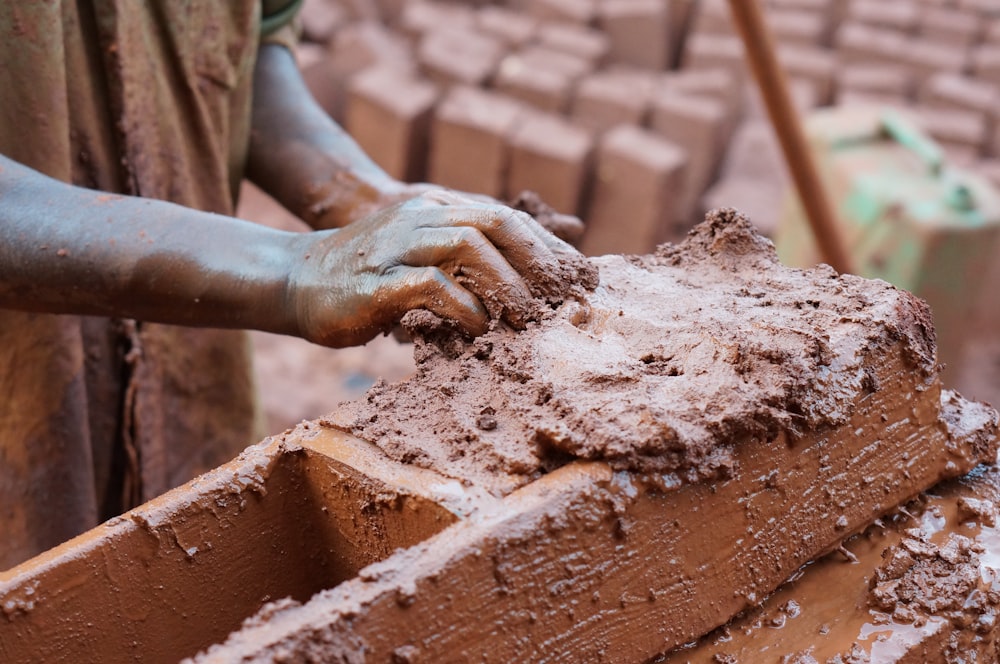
{"type": "Point", "coordinates": [288, 314]}
{"type": "Point", "coordinates": [350, 196]}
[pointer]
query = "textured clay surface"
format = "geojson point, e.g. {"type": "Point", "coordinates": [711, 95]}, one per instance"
{"type": "Point", "coordinates": [669, 363]}
{"type": "Point", "coordinates": [921, 584]}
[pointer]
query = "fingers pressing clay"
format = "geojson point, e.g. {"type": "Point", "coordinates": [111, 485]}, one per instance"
{"type": "Point", "coordinates": [512, 233]}
{"type": "Point", "coordinates": [552, 269]}
{"type": "Point", "coordinates": [431, 289]}
{"type": "Point", "coordinates": [563, 226]}
{"type": "Point", "coordinates": [476, 264]}
{"type": "Point", "coordinates": [464, 261]}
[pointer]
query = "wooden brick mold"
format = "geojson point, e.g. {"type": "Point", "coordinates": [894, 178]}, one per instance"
{"type": "Point", "coordinates": [181, 572]}
{"type": "Point", "coordinates": [587, 564]}
{"type": "Point", "coordinates": [947, 536]}
{"type": "Point", "coordinates": [317, 546]}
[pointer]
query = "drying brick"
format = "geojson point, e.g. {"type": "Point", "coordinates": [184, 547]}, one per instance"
{"type": "Point", "coordinates": [545, 87]}
{"type": "Point", "coordinates": [719, 83]}
{"type": "Point", "coordinates": [543, 77]}
{"type": "Point", "coordinates": [609, 98]}
{"type": "Point", "coordinates": [953, 91]}
{"type": "Point", "coordinates": [469, 140]}
{"type": "Point", "coordinates": [639, 32]}
{"type": "Point", "coordinates": [449, 56]}
{"type": "Point", "coordinates": [699, 126]}
{"type": "Point", "coordinates": [955, 28]}
{"type": "Point", "coordinates": [511, 27]}
{"type": "Point", "coordinates": [539, 56]}
{"type": "Point", "coordinates": [891, 14]}
{"type": "Point", "coordinates": [576, 40]}
{"type": "Point", "coordinates": [358, 47]}
{"type": "Point", "coordinates": [925, 57]}
{"type": "Point", "coordinates": [985, 62]}
{"type": "Point", "coordinates": [857, 43]}
{"type": "Point", "coordinates": [816, 65]}
{"type": "Point", "coordinates": [680, 14]}
{"type": "Point", "coordinates": [550, 156]}
{"type": "Point", "coordinates": [321, 19]}
{"type": "Point", "coordinates": [576, 11]}
{"type": "Point", "coordinates": [965, 131]}
{"type": "Point", "coordinates": [419, 17]}
{"type": "Point", "coordinates": [707, 51]}
{"type": "Point", "coordinates": [888, 80]}
{"type": "Point", "coordinates": [712, 17]}
{"type": "Point", "coordinates": [389, 115]}
{"type": "Point", "coordinates": [634, 195]}
{"type": "Point", "coordinates": [390, 11]}
{"type": "Point", "coordinates": [798, 27]}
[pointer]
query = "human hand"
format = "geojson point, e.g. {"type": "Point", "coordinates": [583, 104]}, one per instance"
{"type": "Point", "coordinates": [464, 260]}
{"type": "Point", "coordinates": [566, 227]}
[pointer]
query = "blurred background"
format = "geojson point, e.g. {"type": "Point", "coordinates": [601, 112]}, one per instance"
{"type": "Point", "coordinates": [640, 115]}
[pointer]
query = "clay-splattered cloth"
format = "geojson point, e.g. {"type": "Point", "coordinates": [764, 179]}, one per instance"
{"type": "Point", "coordinates": [146, 98]}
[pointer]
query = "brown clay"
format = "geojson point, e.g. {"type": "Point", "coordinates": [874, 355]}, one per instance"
{"type": "Point", "coordinates": [919, 586]}
{"type": "Point", "coordinates": [586, 564]}
{"type": "Point", "coordinates": [674, 360]}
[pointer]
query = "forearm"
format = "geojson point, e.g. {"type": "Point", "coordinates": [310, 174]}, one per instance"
{"type": "Point", "coordinates": [299, 155]}
{"type": "Point", "coordinates": [69, 250]}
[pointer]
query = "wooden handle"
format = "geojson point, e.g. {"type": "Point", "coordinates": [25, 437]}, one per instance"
{"type": "Point", "coordinates": [759, 45]}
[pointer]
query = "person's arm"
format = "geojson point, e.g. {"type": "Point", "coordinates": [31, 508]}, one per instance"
{"type": "Point", "coordinates": [69, 250]}
{"type": "Point", "coordinates": [299, 155]}
{"type": "Point", "coordinates": [64, 249]}
{"type": "Point", "coordinates": [302, 157]}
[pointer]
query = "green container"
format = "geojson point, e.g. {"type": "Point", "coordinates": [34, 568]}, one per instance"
{"type": "Point", "coordinates": [906, 216]}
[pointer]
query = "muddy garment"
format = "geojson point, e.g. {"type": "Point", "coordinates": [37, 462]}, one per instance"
{"type": "Point", "coordinates": [150, 99]}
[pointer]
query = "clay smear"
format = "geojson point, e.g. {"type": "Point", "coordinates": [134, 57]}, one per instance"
{"type": "Point", "coordinates": [918, 585]}
{"type": "Point", "coordinates": [674, 359]}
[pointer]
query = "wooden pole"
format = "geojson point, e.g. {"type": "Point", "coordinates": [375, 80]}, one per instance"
{"type": "Point", "coordinates": [759, 45]}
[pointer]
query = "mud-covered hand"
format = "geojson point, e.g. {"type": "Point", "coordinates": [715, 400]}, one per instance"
{"type": "Point", "coordinates": [299, 155]}
{"type": "Point", "coordinates": [566, 227]}
{"type": "Point", "coordinates": [461, 259]}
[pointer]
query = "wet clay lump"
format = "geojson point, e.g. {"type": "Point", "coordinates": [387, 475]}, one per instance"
{"type": "Point", "coordinates": [672, 361]}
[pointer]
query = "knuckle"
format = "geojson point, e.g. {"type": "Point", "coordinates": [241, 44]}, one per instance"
{"type": "Point", "coordinates": [467, 237]}
{"type": "Point", "coordinates": [515, 217]}
{"type": "Point", "coordinates": [427, 279]}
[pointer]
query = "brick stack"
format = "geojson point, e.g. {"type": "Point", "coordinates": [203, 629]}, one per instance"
{"type": "Point", "coordinates": [564, 96]}
{"type": "Point", "coordinates": [579, 100]}
{"type": "Point", "coordinates": [940, 59]}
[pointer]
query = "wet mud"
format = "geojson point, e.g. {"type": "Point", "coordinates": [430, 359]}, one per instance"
{"type": "Point", "coordinates": [919, 585]}
{"type": "Point", "coordinates": [672, 361]}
